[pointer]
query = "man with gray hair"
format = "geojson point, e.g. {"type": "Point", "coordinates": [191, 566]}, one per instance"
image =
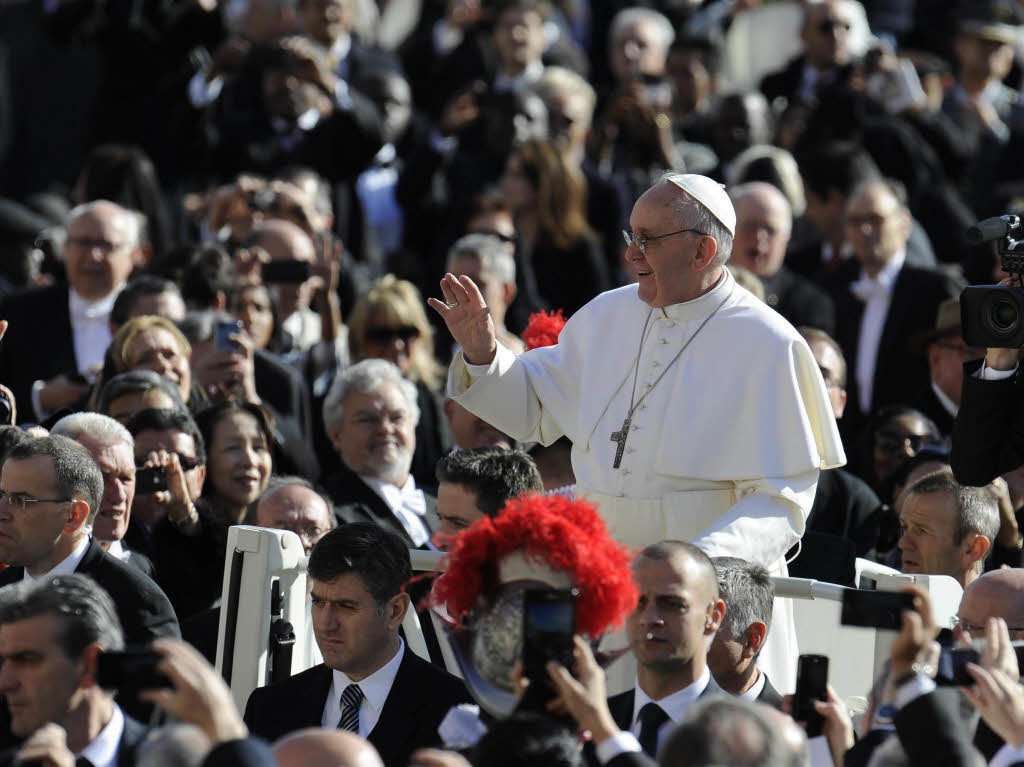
{"type": "Point", "coordinates": [291, 503]}
{"type": "Point", "coordinates": [112, 447]}
{"type": "Point", "coordinates": [485, 259]}
{"type": "Point", "coordinates": [50, 491]}
{"type": "Point", "coordinates": [748, 592]}
{"type": "Point", "coordinates": [370, 414]}
{"type": "Point", "coordinates": [51, 632]}
{"type": "Point", "coordinates": [60, 333]}
{"type": "Point", "coordinates": [948, 528]}
{"type": "Point", "coordinates": [695, 411]}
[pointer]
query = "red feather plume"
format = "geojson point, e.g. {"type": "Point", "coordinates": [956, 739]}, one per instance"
{"type": "Point", "coordinates": [543, 329]}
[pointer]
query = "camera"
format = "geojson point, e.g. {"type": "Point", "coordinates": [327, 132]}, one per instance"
{"type": "Point", "coordinates": [993, 315]}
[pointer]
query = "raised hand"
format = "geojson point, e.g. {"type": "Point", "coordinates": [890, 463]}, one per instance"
{"type": "Point", "coordinates": [468, 319]}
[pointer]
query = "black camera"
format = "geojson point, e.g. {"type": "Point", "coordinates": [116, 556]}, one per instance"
{"type": "Point", "coordinates": [993, 315]}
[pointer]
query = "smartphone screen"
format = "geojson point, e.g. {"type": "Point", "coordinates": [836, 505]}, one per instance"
{"type": "Point", "coordinates": [223, 335]}
{"type": "Point", "coordinates": [952, 667]}
{"type": "Point", "coordinates": [549, 622]}
{"type": "Point", "coordinates": [285, 272]}
{"type": "Point", "coordinates": [875, 609]}
{"type": "Point", "coordinates": [811, 682]}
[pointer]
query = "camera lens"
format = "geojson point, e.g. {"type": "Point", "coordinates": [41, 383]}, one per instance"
{"type": "Point", "coordinates": [1003, 315]}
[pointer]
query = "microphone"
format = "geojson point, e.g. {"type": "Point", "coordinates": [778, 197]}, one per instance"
{"type": "Point", "coordinates": [992, 229]}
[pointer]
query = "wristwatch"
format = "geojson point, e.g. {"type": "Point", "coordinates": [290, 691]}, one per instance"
{"type": "Point", "coordinates": [188, 521]}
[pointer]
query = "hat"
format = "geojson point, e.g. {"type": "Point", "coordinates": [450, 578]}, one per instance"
{"type": "Point", "coordinates": [947, 323]}
{"type": "Point", "coordinates": [708, 193]}
{"type": "Point", "coordinates": [998, 20]}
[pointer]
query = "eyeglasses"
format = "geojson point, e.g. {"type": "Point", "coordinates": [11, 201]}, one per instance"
{"type": "Point", "coordinates": [640, 241]}
{"type": "Point", "coordinates": [974, 629]}
{"type": "Point", "coordinates": [87, 243]}
{"type": "Point", "coordinates": [383, 334]}
{"type": "Point", "coordinates": [20, 501]}
{"type": "Point", "coordinates": [892, 442]}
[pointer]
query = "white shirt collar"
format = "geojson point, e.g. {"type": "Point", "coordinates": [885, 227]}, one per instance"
{"type": "Point", "coordinates": [948, 405]}
{"type": "Point", "coordinates": [81, 309]}
{"type": "Point", "coordinates": [376, 688]}
{"type": "Point", "coordinates": [533, 72]}
{"type": "Point", "coordinates": [888, 274]}
{"type": "Point", "coordinates": [67, 565]}
{"type": "Point", "coordinates": [118, 551]}
{"type": "Point", "coordinates": [102, 750]}
{"type": "Point", "coordinates": [756, 688]}
{"type": "Point", "coordinates": [676, 704]}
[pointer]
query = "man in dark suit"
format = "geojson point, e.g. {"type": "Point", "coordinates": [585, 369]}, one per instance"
{"type": "Point", "coordinates": [370, 414]}
{"type": "Point", "coordinates": [679, 611]}
{"type": "Point", "coordinates": [881, 302]}
{"type": "Point", "coordinates": [748, 593]}
{"type": "Point", "coordinates": [50, 491]}
{"type": "Point", "coordinates": [51, 632]}
{"type": "Point", "coordinates": [946, 351]}
{"type": "Point", "coordinates": [764, 221]}
{"type": "Point", "coordinates": [826, 58]}
{"type": "Point", "coordinates": [370, 682]}
{"type": "Point", "coordinates": [60, 332]}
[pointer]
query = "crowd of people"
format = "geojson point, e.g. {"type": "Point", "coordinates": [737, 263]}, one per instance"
{"type": "Point", "coordinates": [276, 262]}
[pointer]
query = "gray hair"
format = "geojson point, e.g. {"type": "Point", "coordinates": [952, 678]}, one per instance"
{"type": "Point", "coordinates": [86, 612]}
{"type": "Point", "coordinates": [279, 481]}
{"type": "Point", "coordinates": [137, 382]}
{"type": "Point", "coordinates": [101, 429]}
{"type": "Point", "coordinates": [977, 508]}
{"type": "Point", "coordinates": [691, 212]}
{"type": "Point", "coordinates": [174, 745]}
{"type": "Point", "coordinates": [366, 377]}
{"type": "Point", "coordinates": [137, 221]}
{"type": "Point", "coordinates": [494, 257]}
{"type": "Point", "coordinates": [562, 80]}
{"type": "Point", "coordinates": [627, 17]}
{"type": "Point", "coordinates": [74, 470]}
{"type": "Point", "coordinates": [748, 592]}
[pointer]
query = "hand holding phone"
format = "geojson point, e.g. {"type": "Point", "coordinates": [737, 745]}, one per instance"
{"type": "Point", "coordinates": [549, 624]}
{"type": "Point", "coordinates": [811, 686]}
{"type": "Point", "coordinates": [226, 329]}
{"type": "Point", "coordinates": [150, 480]}
{"type": "Point", "coordinates": [875, 609]}
{"type": "Point", "coordinates": [131, 669]}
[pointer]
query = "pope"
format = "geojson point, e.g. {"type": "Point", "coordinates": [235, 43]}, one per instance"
{"type": "Point", "coordinates": [696, 412]}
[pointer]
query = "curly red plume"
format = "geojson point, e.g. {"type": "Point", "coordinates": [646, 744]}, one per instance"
{"type": "Point", "coordinates": [565, 535]}
{"type": "Point", "coordinates": [543, 329]}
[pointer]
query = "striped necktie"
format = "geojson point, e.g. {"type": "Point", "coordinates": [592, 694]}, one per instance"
{"type": "Point", "coordinates": [351, 697]}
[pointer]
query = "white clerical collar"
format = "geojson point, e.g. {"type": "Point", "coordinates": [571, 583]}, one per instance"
{"type": "Point", "coordinates": [948, 405]}
{"type": "Point", "coordinates": [376, 687]}
{"type": "Point", "coordinates": [81, 309]}
{"type": "Point", "coordinates": [888, 274]}
{"type": "Point", "coordinates": [756, 688]}
{"type": "Point", "coordinates": [533, 72]}
{"type": "Point", "coordinates": [701, 306]}
{"type": "Point", "coordinates": [102, 750]}
{"type": "Point", "coordinates": [67, 565]}
{"type": "Point", "coordinates": [676, 704]}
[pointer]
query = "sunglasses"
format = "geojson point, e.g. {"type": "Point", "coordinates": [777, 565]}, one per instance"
{"type": "Point", "coordinates": [383, 334]}
{"type": "Point", "coordinates": [892, 442]}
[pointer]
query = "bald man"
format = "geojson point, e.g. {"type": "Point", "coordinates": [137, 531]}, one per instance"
{"type": "Point", "coordinates": [764, 222]}
{"type": "Point", "coordinates": [317, 747]}
{"type": "Point", "coordinates": [291, 503]}
{"type": "Point", "coordinates": [996, 594]}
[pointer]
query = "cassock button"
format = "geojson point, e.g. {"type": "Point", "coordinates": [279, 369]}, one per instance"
{"type": "Point", "coordinates": [643, 405]}
{"type": "Point", "coordinates": [655, 364]}
{"type": "Point", "coordinates": [626, 471]}
{"type": "Point", "coordinates": [664, 340]}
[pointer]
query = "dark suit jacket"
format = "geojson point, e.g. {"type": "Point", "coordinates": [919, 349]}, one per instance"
{"type": "Point", "coordinates": [38, 344]}
{"type": "Point", "coordinates": [769, 695]}
{"type": "Point", "coordinates": [419, 699]}
{"type": "Point", "coordinates": [246, 752]}
{"type": "Point", "coordinates": [986, 434]}
{"type": "Point", "coordinates": [786, 82]}
{"type": "Point", "coordinates": [134, 733]}
{"type": "Point", "coordinates": [799, 300]}
{"type": "Point", "coordinates": [144, 610]}
{"type": "Point", "coordinates": [899, 373]}
{"type": "Point", "coordinates": [932, 731]}
{"type": "Point", "coordinates": [355, 501]}
{"type": "Point", "coordinates": [926, 401]}
{"type": "Point", "coordinates": [621, 705]}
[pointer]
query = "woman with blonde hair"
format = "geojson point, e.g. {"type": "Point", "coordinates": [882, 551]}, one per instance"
{"type": "Point", "coordinates": [389, 322]}
{"type": "Point", "coordinates": [548, 196]}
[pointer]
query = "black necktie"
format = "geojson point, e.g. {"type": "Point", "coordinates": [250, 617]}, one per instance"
{"type": "Point", "coordinates": [652, 717]}
{"type": "Point", "coordinates": [351, 698]}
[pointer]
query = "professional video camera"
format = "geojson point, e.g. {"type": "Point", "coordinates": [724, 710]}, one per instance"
{"type": "Point", "coordinates": [993, 315]}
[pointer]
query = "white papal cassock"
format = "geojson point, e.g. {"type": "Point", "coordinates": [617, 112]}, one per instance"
{"type": "Point", "coordinates": [725, 450]}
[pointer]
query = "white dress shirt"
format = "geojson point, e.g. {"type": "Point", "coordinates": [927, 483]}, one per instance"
{"type": "Point", "coordinates": [375, 687]}
{"type": "Point", "coordinates": [526, 78]}
{"type": "Point", "coordinates": [102, 750]}
{"type": "Point", "coordinates": [118, 551]}
{"type": "Point", "coordinates": [67, 565]}
{"type": "Point", "coordinates": [755, 689]}
{"type": "Point", "coordinates": [407, 503]}
{"type": "Point", "coordinates": [876, 293]}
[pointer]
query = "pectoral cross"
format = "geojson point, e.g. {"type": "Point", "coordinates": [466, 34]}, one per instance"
{"type": "Point", "coordinates": [620, 438]}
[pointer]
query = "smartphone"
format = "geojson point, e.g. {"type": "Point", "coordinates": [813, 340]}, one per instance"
{"type": "Point", "coordinates": [226, 329]}
{"type": "Point", "coordinates": [292, 272]}
{"type": "Point", "coordinates": [549, 624]}
{"type": "Point", "coordinates": [811, 682]}
{"type": "Point", "coordinates": [952, 669]}
{"type": "Point", "coordinates": [133, 668]}
{"type": "Point", "coordinates": [150, 480]}
{"type": "Point", "coordinates": [875, 609]}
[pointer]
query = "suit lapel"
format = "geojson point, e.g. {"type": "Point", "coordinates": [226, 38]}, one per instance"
{"type": "Point", "coordinates": [397, 719]}
{"type": "Point", "coordinates": [134, 733]}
